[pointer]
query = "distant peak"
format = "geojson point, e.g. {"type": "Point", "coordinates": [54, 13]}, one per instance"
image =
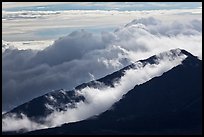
{"type": "Point", "coordinates": [175, 52]}
{"type": "Point", "coordinates": [186, 53]}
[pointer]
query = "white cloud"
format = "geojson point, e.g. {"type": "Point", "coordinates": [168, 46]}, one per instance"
{"type": "Point", "coordinates": [81, 53]}
{"type": "Point", "coordinates": [13, 123]}
{"type": "Point", "coordinates": [24, 45]}
{"type": "Point", "coordinates": [99, 100]}
{"type": "Point", "coordinates": [33, 68]}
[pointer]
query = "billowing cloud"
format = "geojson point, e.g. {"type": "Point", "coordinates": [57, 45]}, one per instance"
{"type": "Point", "coordinates": [70, 60]}
{"type": "Point", "coordinates": [13, 123]}
{"type": "Point", "coordinates": [99, 100]}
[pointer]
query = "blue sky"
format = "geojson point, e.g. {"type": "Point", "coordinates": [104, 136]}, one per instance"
{"type": "Point", "coordinates": [121, 6]}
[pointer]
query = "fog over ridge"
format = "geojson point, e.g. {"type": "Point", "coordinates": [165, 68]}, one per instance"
{"type": "Point", "coordinates": [99, 100]}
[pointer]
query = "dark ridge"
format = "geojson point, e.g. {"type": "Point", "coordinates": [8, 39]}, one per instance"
{"type": "Point", "coordinates": [39, 102]}
{"type": "Point", "coordinates": [36, 109]}
{"type": "Point", "coordinates": [41, 110]}
{"type": "Point", "coordinates": [170, 104]}
{"type": "Point", "coordinates": [111, 78]}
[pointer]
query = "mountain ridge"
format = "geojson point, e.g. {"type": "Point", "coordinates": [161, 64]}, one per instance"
{"type": "Point", "coordinates": [119, 74]}
{"type": "Point", "coordinates": [175, 109]}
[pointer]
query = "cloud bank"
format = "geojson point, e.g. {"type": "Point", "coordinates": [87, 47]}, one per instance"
{"type": "Point", "coordinates": [82, 55]}
{"type": "Point", "coordinates": [99, 100]}
{"type": "Point", "coordinates": [24, 45]}
{"type": "Point", "coordinates": [49, 24]}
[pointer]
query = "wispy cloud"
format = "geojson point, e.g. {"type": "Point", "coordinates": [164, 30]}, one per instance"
{"type": "Point", "coordinates": [7, 5]}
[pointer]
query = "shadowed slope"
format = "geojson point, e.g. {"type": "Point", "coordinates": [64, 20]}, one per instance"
{"type": "Point", "coordinates": [169, 104]}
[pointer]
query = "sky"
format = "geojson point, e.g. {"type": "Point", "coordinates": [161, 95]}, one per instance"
{"type": "Point", "coordinates": [46, 45]}
{"type": "Point", "coordinates": [121, 6]}
{"type": "Point", "coordinates": [23, 21]}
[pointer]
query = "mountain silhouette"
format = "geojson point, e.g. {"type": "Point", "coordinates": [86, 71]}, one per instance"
{"type": "Point", "coordinates": [169, 104]}
{"type": "Point", "coordinates": [59, 99]}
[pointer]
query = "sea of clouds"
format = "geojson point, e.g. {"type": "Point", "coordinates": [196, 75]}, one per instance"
{"type": "Point", "coordinates": [82, 56]}
{"type": "Point", "coordinates": [77, 57]}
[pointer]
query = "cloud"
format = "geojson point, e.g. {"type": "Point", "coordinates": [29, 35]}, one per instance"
{"type": "Point", "coordinates": [101, 5]}
{"type": "Point", "coordinates": [56, 66]}
{"type": "Point", "coordinates": [70, 60]}
{"type": "Point", "coordinates": [7, 5]}
{"type": "Point", "coordinates": [24, 45]}
{"type": "Point", "coordinates": [149, 36]}
{"type": "Point", "coordinates": [16, 24]}
{"type": "Point", "coordinates": [99, 100]}
{"type": "Point", "coordinates": [13, 123]}
{"type": "Point", "coordinates": [74, 46]}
